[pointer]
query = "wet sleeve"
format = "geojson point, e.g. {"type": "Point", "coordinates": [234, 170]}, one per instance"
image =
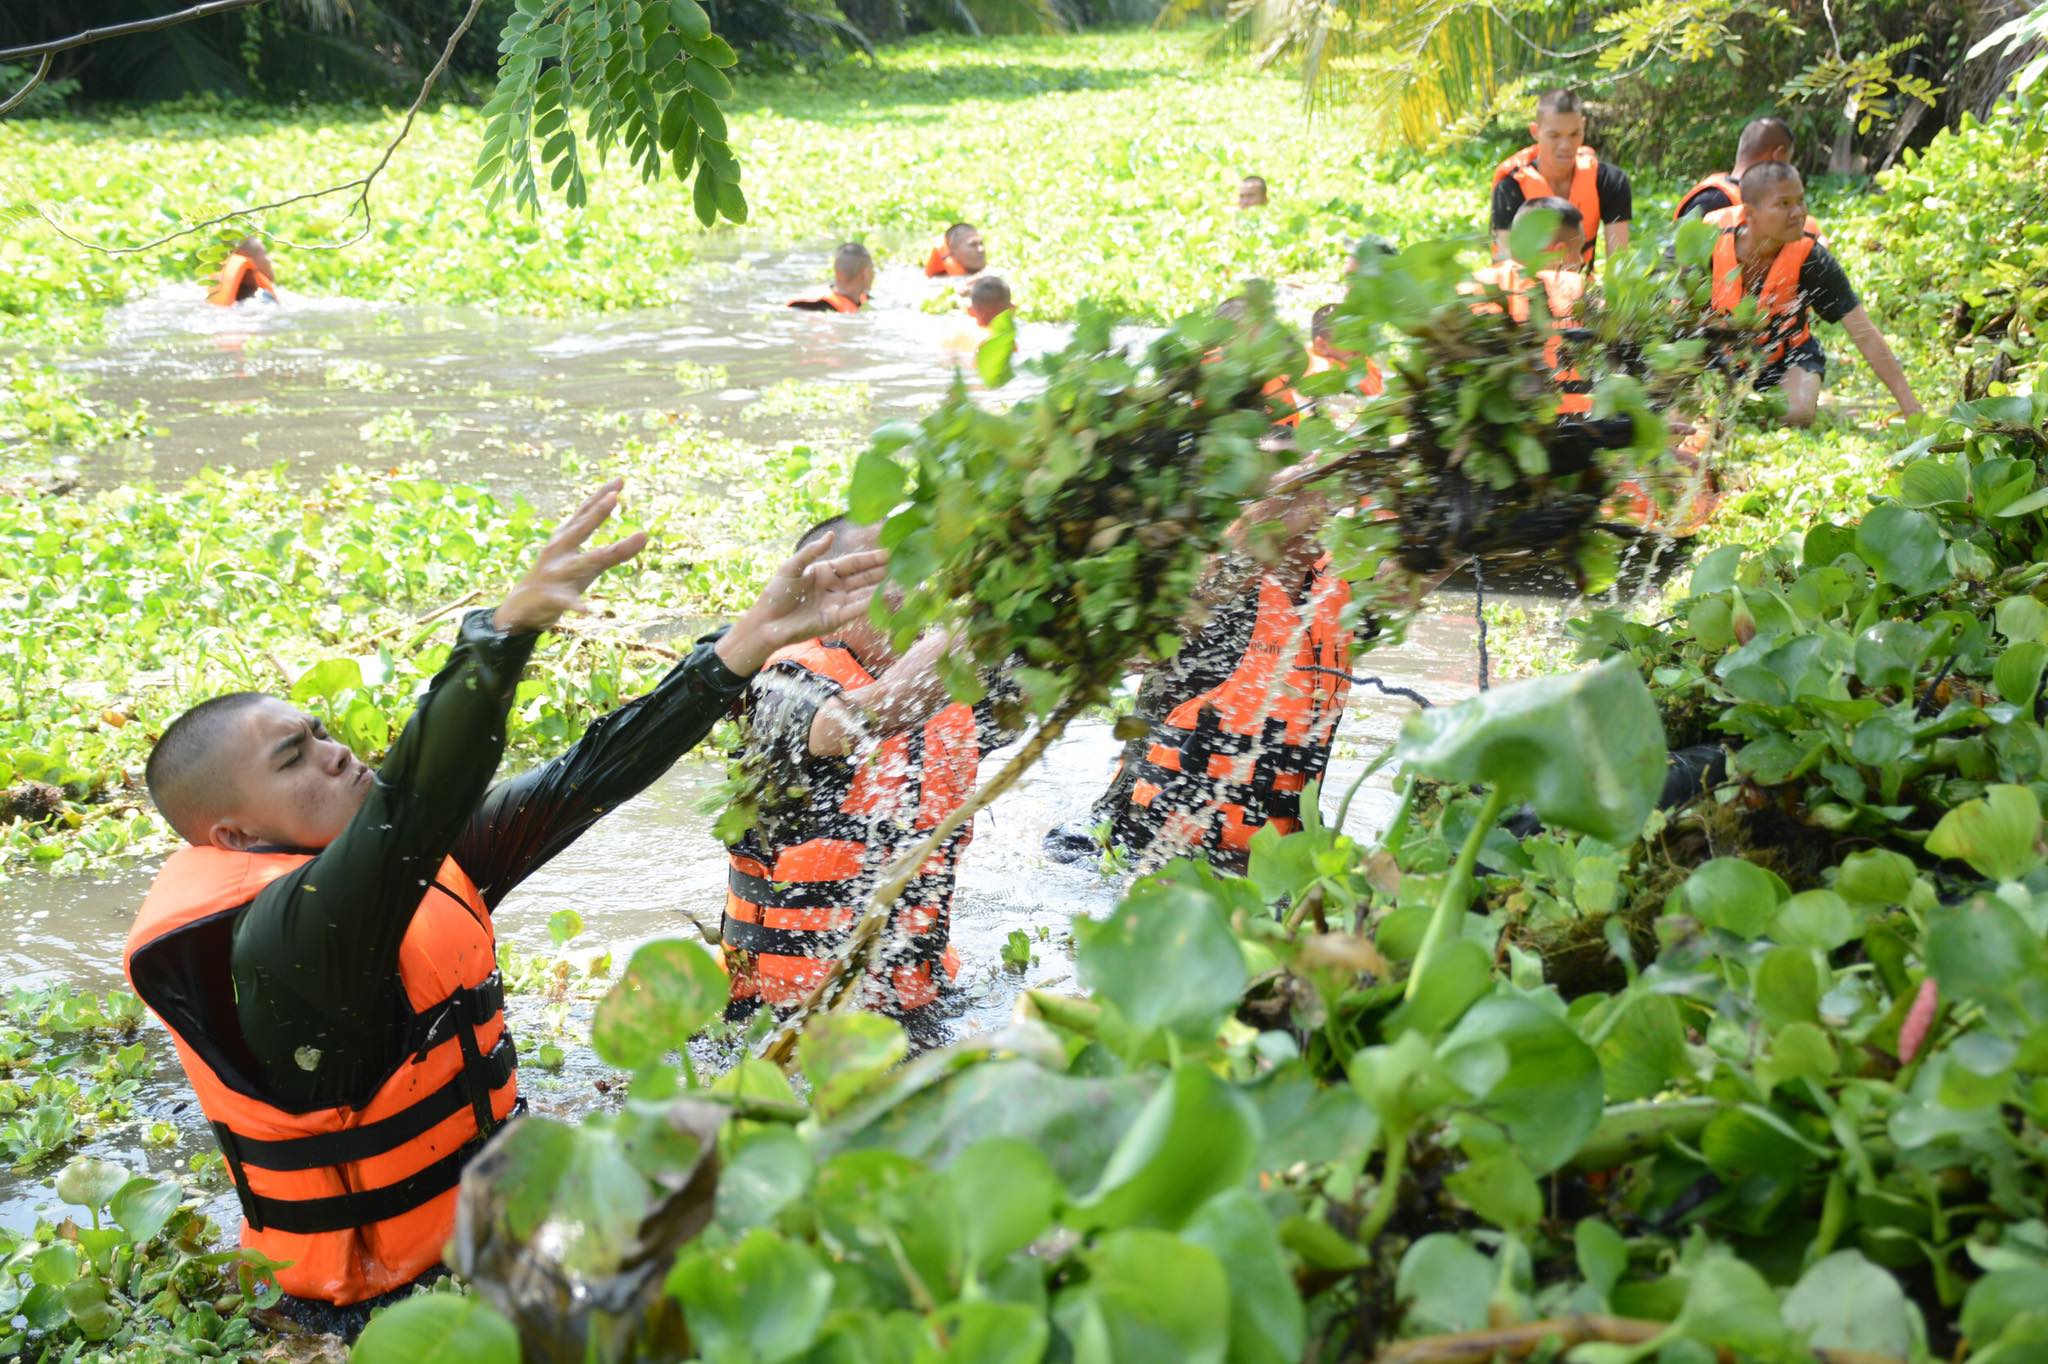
{"type": "Point", "coordinates": [1507, 197]}
{"type": "Point", "coordinates": [526, 820]}
{"type": "Point", "coordinates": [1709, 200]}
{"type": "Point", "coordinates": [315, 956]}
{"type": "Point", "coordinates": [1617, 196]}
{"type": "Point", "coordinates": [1825, 285]}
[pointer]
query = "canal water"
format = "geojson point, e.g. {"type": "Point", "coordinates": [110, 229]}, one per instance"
{"type": "Point", "coordinates": [320, 383]}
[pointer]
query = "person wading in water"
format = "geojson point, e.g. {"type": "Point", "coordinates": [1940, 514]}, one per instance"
{"type": "Point", "coordinates": [322, 951]}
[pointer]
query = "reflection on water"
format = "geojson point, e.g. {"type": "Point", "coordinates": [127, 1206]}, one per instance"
{"type": "Point", "coordinates": [300, 382]}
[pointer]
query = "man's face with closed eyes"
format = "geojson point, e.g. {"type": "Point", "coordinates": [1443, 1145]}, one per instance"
{"type": "Point", "coordinates": [287, 782]}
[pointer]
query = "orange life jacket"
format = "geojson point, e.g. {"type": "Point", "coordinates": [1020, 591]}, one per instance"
{"type": "Point", "coordinates": [1284, 400]}
{"type": "Point", "coordinates": [1366, 381]}
{"type": "Point", "coordinates": [1720, 180]}
{"type": "Point", "coordinates": [1562, 290]}
{"type": "Point", "coordinates": [789, 906]}
{"type": "Point", "coordinates": [940, 262]}
{"type": "Point", "coordinates": [829, 301]}
{"type": "Point", "coordinates": [1785, 326]}
{"type": "Point", "coordinates": [236, 271]}
{"type": "Point", "coordinates": [1236, 757]}
{"type": "Point", "coordinates": [359, 1200]}
{"type": "Point", "coordinates": [1585, 190]}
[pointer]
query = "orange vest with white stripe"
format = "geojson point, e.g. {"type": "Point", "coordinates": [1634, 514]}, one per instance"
{"type": "Point", "coordinates": [791, 902]}
{"type": "Point", "coordinates": [1562, 290]}
{"type": "Point", "coordinates": [1584, 195]}
{"type": "Point", "coordinates": [361, 1199]}
{"type": "Point", "coordinates": [1720, 180]}
{"type": "Point", "coordinates": [1235, 758]}
{"type": "Point", "coordinates": [236, 271]}
{"type": "Point", "coordinates": [1784, 326]}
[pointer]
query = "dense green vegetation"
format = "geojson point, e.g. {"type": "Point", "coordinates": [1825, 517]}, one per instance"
{"type": "Point", "coordinates": [1760, 1072]}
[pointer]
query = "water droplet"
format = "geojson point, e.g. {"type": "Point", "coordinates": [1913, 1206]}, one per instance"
{"type": "Point", "coordinates": [308, 1058]}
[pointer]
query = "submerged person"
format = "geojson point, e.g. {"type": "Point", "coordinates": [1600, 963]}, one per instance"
{"type": "Point", "coordinates": [1562, 288]}
{"type": "Point", "coordinates": [245, 274]}
{"type": "Point", "coordinates": [853, 275]}
{"type": "Point", "coordinates": [1768, 251]}
{"type": "Point", "coordinates": [321, 949]}
{"type": "Point", "coordinates": [1251, 192]}
{"type": "Point", "coordinates": [1560, 165]}
{"type": "Point", "coordinates": [864, 753]}
{"type": "Point", "coordinates": [1763, 139]}
{"type": "Point", "coordinates": [988, 300]}
{"type": "Point", "coordinates": [960, 252]}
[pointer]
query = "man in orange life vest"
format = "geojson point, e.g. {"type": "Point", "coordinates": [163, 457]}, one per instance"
{"type": "Point", "coordinates": [1243, 718]}
{"type": "Point", "coordinates": [853, 274]}
{"type": "Point", "coordinates": [245, 274]}
{"type": "Point", "coordinates": [321, 950]}
{"type": "Point", "coordinates": [959, 253]}
{"type": "Point", "coordinates": [1560, 165]}
{"type": "Point", "coordinates": [1768, 252]}
{"type": "Point", "coordinates": [1251, 192]}
{"type": "Point", "coordinates": [1562, 287]}
{"type": "Point", "coordinates": [865, 753]}
{"type": "Point", "coordinates": [1763, 139]}
{"type": "Point", "coordinates": [1325, 354]}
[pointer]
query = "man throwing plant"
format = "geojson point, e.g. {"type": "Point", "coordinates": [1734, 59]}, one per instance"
{"type": "Point", "coordinates": [322, 950]}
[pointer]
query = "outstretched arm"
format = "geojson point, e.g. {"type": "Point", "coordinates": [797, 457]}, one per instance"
{"type": "Point", "coordinates": [315, 956]}
{"type": "Point", "coordinates": [1617, 238]}
{"type": "Point", "coordinates": [908, 694]}
{"type": "Point", "coordinates": [526, 820]}
{"type": "Point", "coordinates": [1878, 352]}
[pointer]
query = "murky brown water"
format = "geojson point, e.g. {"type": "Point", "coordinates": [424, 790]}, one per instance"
{"type": "Point", "coordinates": [502, 398]}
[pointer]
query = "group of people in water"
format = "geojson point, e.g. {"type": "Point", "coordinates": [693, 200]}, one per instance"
{"type": "Point", "coordinates": [321, 948]}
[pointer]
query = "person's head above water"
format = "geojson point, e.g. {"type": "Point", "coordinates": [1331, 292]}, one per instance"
{"type": "Point", "coordinates": [252, 248]}
{"type": "Point", "coordinates": [1763, 139]}
{"type": "Point", "coordinates": [1559, 131]}
{"type": "Point", "coordinates": [869, 644]}
{"type": "Point", "coordinates": [1774, 202]}
{"type": "Point", "coordinates": [1568, 239]}
{"type": "Point", "coordinates": [1322, 326]}
{"type": "Point", "coordinates": [247, 770]}
{"type": "Point", "coordinates": [988, 300]}
{"type": "Point", "coordinates": [853, 270]}
{"type": "Point", "coordinates": [1251, 192]}
{"type": "Point", "coordinates": [964, 244]}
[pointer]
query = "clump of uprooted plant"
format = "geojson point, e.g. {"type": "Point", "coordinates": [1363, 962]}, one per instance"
{"type": "Point", "coordinates": [1334, 1108]}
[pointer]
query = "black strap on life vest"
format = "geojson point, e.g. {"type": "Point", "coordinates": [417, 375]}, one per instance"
{"type": "Point", "coordinates": [930, 891]}
{"type": "Point", "coordinates": [1191, 790]}
{"type": "Point", "coordinates": [484, 1074]}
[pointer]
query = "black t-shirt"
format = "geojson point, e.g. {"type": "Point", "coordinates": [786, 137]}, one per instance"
{"type": "Point", "coordinates": [1708, 200]}
{"type": "Point", "coordinates": [1824, 286]}
{"type": "Point", "coordinates": [1617, 200]}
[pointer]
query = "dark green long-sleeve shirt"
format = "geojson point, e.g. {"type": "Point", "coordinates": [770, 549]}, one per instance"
{"type": "Point", "coordinates": [315, 956]}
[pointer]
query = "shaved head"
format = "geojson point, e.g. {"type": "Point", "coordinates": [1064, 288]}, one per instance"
{"type": "Point", "coordinates": [988, 299]}
{"type": "Point", "coordinates": [1764, 139]}
{"type": "Point", "coordinates": [1764, 174]}
{"type": "Point", "coordinates": [248, 770]}
{"type": "Point", "coordinates": [191, 776]}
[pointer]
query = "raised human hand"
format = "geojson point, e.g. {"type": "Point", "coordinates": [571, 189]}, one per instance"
{"type": "Point", "coordinates": [564, 570]}
{"type": "Point", "coordinates": [809, 595]}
